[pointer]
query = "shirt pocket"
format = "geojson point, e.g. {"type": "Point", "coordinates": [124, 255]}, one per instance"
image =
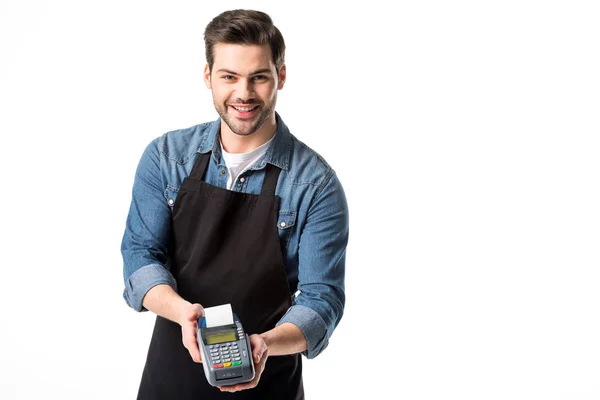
{"type": "Point", "coordinates": [171, 195]}
{"type": "Point", "coordinates": [285, 227]}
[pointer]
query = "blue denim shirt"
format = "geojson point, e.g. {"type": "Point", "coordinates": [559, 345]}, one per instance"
{"type": "Point", "coordinates": [312, 224]}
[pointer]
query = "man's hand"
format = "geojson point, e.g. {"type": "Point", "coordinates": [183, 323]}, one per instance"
{"type": "Point", "coordinates": [260, 353]}
{"type": "Point", "coordinates": [189, 325]}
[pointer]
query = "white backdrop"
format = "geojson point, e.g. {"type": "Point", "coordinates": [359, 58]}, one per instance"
{"type": "Point", "coordinates": [465, 134]}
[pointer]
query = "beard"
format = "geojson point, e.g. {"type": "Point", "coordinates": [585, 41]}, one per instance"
{"type": "Point", "coordinates": [245, 127]}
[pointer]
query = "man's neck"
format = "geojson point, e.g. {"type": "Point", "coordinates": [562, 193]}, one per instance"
{"type": "Point", "coordinates": [236, 144]}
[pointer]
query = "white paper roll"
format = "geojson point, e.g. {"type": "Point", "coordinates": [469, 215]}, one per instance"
{"type": "Point", "coordinates": [218, 315]}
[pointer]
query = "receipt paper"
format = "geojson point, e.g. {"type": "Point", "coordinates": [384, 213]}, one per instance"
{"type": "Point", "coordinates": [218, 315]}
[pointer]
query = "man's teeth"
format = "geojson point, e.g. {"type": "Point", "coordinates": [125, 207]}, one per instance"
{"type": "Point", "coordinates": [244, 109]}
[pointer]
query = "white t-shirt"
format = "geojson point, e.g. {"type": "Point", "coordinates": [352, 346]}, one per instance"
{"type": "Point", "coordinates": [240, 162]}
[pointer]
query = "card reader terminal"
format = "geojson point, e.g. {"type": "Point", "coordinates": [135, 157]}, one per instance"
{"type": "Point", "coordinates": [226, 353]}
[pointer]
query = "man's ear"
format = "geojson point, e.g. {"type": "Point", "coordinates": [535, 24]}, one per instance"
{"type": "Point", "coordinates": [207, 77]}
{"type": "Point", "coordinates": [282, 76]}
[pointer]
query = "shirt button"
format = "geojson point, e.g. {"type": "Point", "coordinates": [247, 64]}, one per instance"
{"type": "Point", "coordinates": [282, 224]}
{"type": "Point", "coordinates": [223, 171]}
{"type": "Point", "coordinates": [242, 179]}
{"type": "Point", "coordinates": [171, 202]}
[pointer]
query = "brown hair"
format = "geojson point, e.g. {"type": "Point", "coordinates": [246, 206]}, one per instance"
{"type": "Point", "coordinates": [244, 27]}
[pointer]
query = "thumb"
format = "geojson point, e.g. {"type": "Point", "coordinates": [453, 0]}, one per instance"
{"type": "Point", "coordinates": [194, 312]}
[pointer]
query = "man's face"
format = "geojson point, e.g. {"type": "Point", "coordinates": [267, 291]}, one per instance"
{"type": "Point", "coordinates": [244, 84]}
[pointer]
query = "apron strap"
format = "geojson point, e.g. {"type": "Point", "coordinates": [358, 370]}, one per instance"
{"type": "Point", "coordinates": [269, 183]}
{"type": "Point", "coordinates": [200, 166]}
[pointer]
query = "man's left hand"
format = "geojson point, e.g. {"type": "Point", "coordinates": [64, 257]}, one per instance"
{"type": "Point", "coordinates": [260, 353]}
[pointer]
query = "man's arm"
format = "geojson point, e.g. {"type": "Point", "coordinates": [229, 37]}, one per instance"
{"type": "Point", "coordinates": [148, 283]}
{"type": "Point", "coordinates": [147, 231]}
{"type": "Point", "coordinates": [284, 339]}
{"type": "Point", "coordinates": [164, 301]}
{"type": "Point", "coordinates": [317, 310]}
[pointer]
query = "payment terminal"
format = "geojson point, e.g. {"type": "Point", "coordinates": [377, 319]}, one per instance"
{"type": "Point", "coordinates": [226, 353]}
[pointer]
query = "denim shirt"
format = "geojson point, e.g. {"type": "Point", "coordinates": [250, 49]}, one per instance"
{"type": "Point", "coordinates": [312, 223]}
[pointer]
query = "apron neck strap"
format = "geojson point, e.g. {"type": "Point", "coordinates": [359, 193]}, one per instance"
{"type": "Point", "coordinates": [200, 166]}
{"type": "Point", "coordinates": [270, 182]}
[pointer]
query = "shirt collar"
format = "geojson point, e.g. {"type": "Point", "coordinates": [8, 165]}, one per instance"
{"type": "Point", "coordinates": [277, 154]}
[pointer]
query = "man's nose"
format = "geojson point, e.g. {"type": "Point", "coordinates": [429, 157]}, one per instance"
{"type": "Point", "coordinates": [245, 89]}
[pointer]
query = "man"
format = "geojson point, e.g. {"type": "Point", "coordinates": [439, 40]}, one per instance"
{"type": "Point", "coordinates": [236, 211]}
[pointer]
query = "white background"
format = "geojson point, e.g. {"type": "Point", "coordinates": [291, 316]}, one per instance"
{"type": "Point", "coordinates": [465, 134]}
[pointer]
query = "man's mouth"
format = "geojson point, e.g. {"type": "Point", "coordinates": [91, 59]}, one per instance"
{"type": "Point", "coordinates": [245, 111]}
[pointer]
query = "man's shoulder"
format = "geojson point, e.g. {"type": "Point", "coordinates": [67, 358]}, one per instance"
{"type": "Point", "coordinates": [307, 165]}
{"type": "Point", "coordinates": [182, 144]}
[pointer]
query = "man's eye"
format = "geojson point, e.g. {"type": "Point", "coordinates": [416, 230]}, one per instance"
{"type": "Point", "coordinates": [228, 77]}
{"type": "Point", "coordinates": [260, 78]}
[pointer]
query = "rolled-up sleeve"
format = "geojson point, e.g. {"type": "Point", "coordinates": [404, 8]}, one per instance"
{"type": "Point", "coordinates": [319, 306]}
{"type": "Point", "coordinates": [147, 231]}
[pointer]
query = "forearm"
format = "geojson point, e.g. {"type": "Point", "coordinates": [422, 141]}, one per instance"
{"type": "Point", "coordinates": [164, 301]}
{"type": "Point", "coordinates": [284, 339]}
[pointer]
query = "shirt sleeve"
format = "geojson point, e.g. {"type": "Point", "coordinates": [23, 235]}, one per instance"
{"type": "Point", "coordinates": [319, 306]}
{"type": "Point", "coordinates": [147, 231]}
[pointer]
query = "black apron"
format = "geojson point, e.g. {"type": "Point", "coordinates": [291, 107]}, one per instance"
{"type": "Point", "coordinates": [225, 250]}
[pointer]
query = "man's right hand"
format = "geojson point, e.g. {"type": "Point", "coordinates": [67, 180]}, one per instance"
{"type": "Point", "coordinates": [189, 325]}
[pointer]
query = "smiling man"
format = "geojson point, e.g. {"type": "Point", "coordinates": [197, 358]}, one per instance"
{"type": "Point", "coordinates": [245, 97]}
{"type": "Point", "coordinates": [236, 211]}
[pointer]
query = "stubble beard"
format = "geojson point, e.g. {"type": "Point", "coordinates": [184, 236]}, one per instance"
{"type": "Point", "coordinates": [243, 129]}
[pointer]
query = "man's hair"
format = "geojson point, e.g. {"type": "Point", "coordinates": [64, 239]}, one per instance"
{"type": "Point", "coordinates": [246, 27]}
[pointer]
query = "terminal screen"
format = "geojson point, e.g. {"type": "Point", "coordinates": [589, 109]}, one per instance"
{"type": "Point", "coordinates": [221, 337]}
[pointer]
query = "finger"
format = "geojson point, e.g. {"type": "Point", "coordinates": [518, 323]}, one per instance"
{"type": "Point", "coordinates": [259, 348]}
{"type": "Point", "coordinates": [194, 312]}
{"type": "Point", "coordinates": [259, 352]}
{"type": "Point", "coordinates": [235, 388]}
{"type": "Point", "coordinates": [195, 353]}
{"type": "Point", "coordinates": [228, 389]}
{"type": "Point", "coordinates": [190, 343]}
